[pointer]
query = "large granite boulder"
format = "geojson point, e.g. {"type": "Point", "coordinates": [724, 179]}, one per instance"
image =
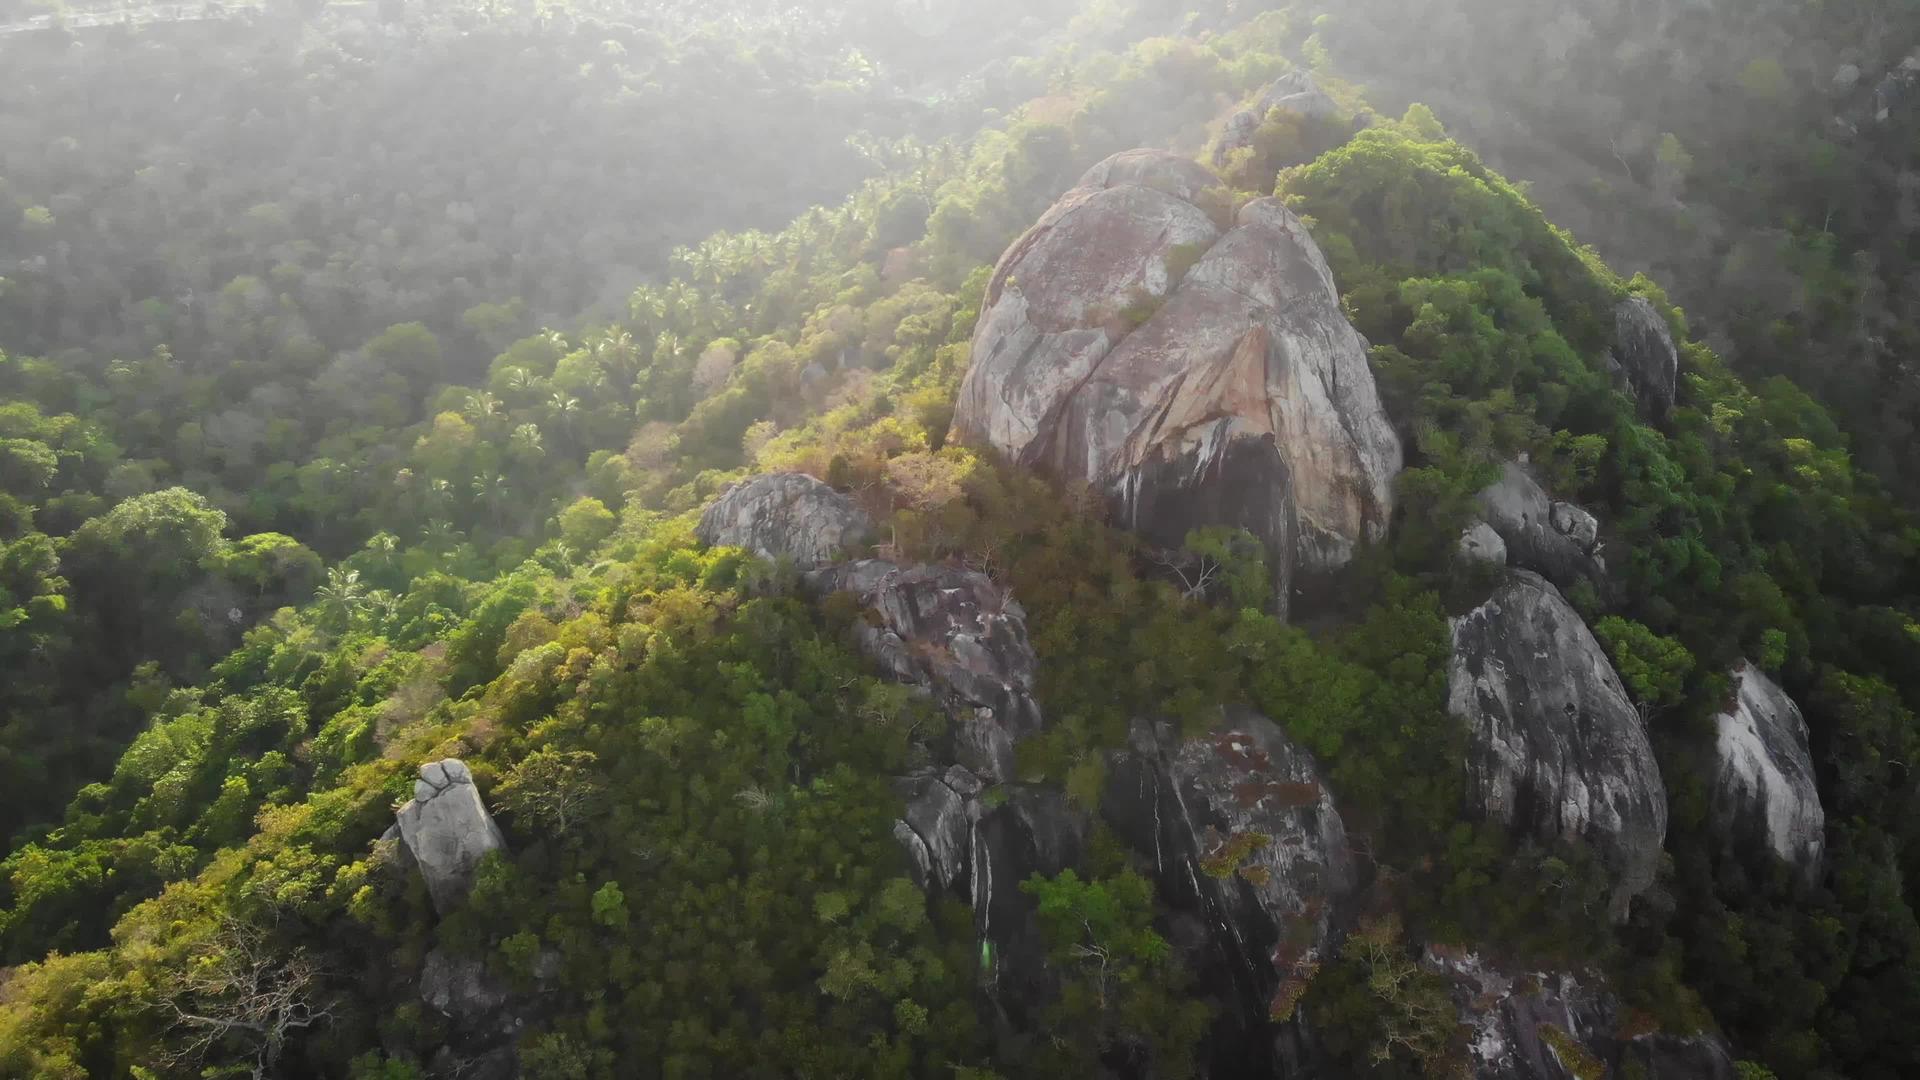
{"type": "Point", "coordinates": [447, 830]}
{"type": "Point", "coordinates": [1294, 94]}
{"type": "Point", "coordinates": [786, 516]}
{"type": "Point", "coordinates": [1197, 371]}
{"type": "Point", "coordinates": [1550, 537]}
{"type": "Point", "coordinates": [1643, 347]}
{"type": "Point", "coordinates": [1562, 1026]}
{"type": "Point", "coordinates": [1764, 796]}
{"type": "Point", "coordinates": [960, 637]}
{"type": "Point", "coordinates": [1556, 749]}
{"type": "Point", "coordinates": [1245, 837]}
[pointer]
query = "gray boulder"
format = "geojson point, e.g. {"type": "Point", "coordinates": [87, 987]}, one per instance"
{"type": "Point", "coordinates": [1764, 796]}
{"type": "Point", "coordinates": [1194, 373]}
{"type": "Point", "coordinates": [1644, 349]}
{"type": "Point", "coordinates": [1294, 93]}
{"type": "Point", "coordinates": [960, 637]}
{"type": "Point", "coordinates": [786, 516]}
{"type": "Point", "coordinates": [1244, 837]}
{"type": "Point", "coordinates": [1529, 1026]}
{"type": "Point", "coordinates": [1480, 544]}
{"type": "Point", "coordinates": [446, 830]}
{"type": "Point", "coordinates": [1556, 749]}
{"type": "Point", "coordinates": [1553, 538]}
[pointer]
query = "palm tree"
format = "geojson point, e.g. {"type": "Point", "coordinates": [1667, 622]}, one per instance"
{"type": "Point", "coordinates": [523, 382]}
{"type": "Point", "coordinates": [342, 597]}
{"type": "Point", "coordinates": [482, 405]}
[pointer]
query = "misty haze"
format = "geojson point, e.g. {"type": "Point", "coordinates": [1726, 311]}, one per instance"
{"type": "Point", "coordinates": [965, 539]}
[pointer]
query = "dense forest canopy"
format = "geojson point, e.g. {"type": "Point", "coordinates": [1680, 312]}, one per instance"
{"type": "Point", "coordinates": [366, 370]}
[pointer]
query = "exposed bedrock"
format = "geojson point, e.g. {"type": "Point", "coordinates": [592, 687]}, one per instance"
{"type": "Point", "coordinates": [1196, 370]}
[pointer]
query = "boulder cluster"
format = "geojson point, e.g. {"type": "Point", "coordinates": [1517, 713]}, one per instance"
{"type": "Point", "coordinates": [1194, 366]}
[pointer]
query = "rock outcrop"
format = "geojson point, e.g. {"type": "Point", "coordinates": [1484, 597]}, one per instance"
{"type": "Point", "coordinates": [959, 636]}
{"type": "Point", "coordinates": [1197, 372]}
{"type": "Point", "coordinates": [1030, 831]}
{"type": "Point", "coordinates": [1531, 1026]}
{"type": "Point", "coordinates": [1556, 749]}
{"type": "Point", "coordinates": [1480, 544]}
{"type": "Point", "coordinates": [1293, 93]}
{"type": "Point", "coordinates": [1552, 538]}
{"type": "Point", "coordinates": [786, 516]}
{"type": "Point", "coordinates": [1242, 835]}
{"type": "Point", "coordinates": [447, 830]}
{"type": "Point", "coordinates": [1643, 347]}
{"type": "Point", "coordinates": [937, 829]}
{"type": "Point", "coordinates": [1764, 796]}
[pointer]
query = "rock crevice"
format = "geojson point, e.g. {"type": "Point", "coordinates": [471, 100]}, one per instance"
{"type": "Point", "coordinates": [447, 831]}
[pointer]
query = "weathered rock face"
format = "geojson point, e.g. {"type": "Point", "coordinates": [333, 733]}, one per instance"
{"type": "Point", "coordinates": [957, 634]}
{"type": "Point", "coordinates": [1556, 748]}
{"type": "Point", "coordinates": [1244, 837]}
{"type": "Point", "coordinates": [937, 829]}
{"type": "Point", "coordinates": [1556, 539]}
{"type": "Point", "coordinates": [1764, 794]}
{"type": "Point", "coordinates": [1032, 831]}
{"type": "Point", "coordinates": [1643, 347]}
{"type": "Point", "coordinates": [1294, 93]}
{"type": "Point", "coordinates": [786, 515]}
{"type": "Point", "coordinates": [1233, 393]}
{"type": "Point", "coordinates": [446, 830]}
{"type": "Point", "coordinates": [1514, 1023]}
